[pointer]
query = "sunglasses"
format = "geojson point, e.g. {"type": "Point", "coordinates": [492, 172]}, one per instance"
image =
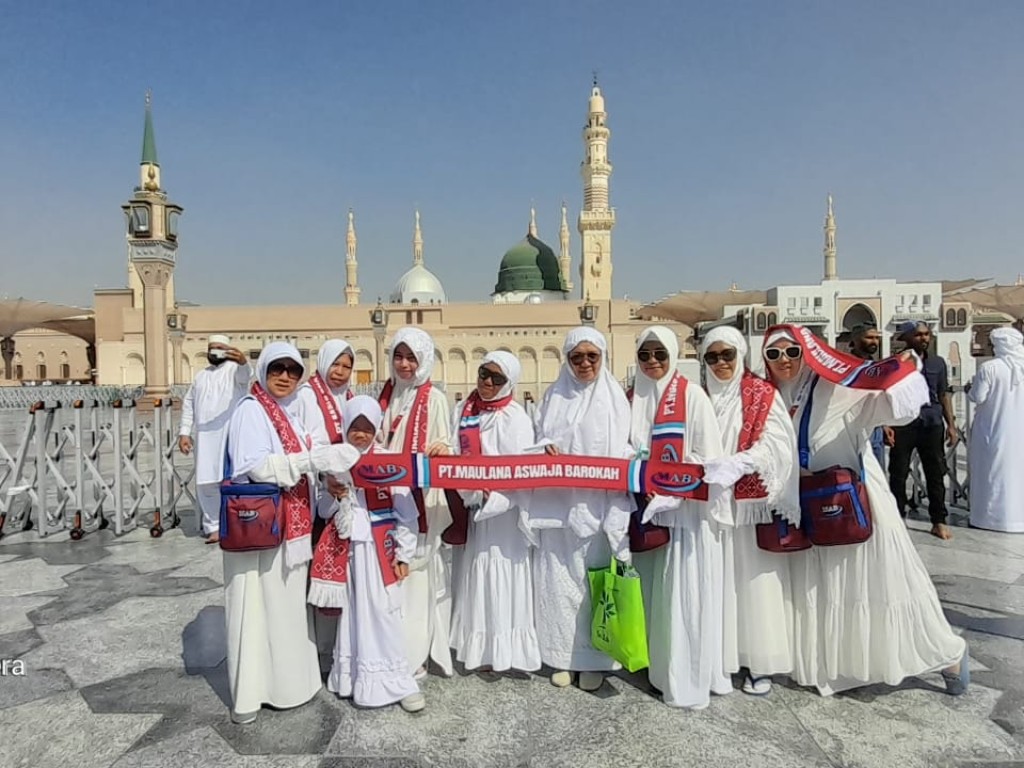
{"type": "Point", "coordinates": [776, 353]}
{"type": "Point", "coordinates": [726, 356]}
{"type": "Point", "coordinates": [580, 357]}
{"type": "Point", "coordinates": [497, 379]}
{"type": "Point", "coordinates": [644, 355]}
{"type": "Point", "coordinates": [291, 370]}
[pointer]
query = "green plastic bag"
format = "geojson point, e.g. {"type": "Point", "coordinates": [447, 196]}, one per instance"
{"type": "Point", "coordinates": [618, 626]}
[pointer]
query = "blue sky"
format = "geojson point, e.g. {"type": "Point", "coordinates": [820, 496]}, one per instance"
{"type": "Point", "coordinates": [730, 123]}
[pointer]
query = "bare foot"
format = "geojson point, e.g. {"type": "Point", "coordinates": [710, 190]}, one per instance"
{"type": "Point", "coordinates": [941, 531]}
{"type": "Point", "coordinates": [213, 538]}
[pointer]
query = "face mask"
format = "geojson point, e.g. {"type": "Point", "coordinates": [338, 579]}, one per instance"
{"type": "Point", "coordinates": [214, 359]}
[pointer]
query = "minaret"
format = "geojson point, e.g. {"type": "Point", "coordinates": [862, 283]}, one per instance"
{"type": "Point", "coordinates": [597, 218]}
{"type": "Point", "coordinates": [351, 265]}
{"type": "Point", "coordinates": [565, 257]}
{"type": "Point", "coordinates": [417, 243]}
{"type": "Point", "coordinates": [830, 243]}
{"type": "Point", "coordinates": [152, 249]}
{"type": "Point", "coordinates": [533, 223]}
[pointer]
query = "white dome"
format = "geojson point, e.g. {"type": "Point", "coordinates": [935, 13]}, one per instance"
{"type": "Point", "coordinates": [418, 286]}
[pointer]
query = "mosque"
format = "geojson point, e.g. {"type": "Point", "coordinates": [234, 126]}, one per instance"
{"type": "Point", "coordinates": [139, 335]}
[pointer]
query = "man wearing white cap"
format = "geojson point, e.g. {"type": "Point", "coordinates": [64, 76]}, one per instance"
{"type": "Point", "coordinates": [206, 412]}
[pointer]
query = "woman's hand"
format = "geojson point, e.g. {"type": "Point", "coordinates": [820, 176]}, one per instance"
{"type": "Point", "coordinates": [401, 571]}
{"type": "Point", "coordinates": [551, 450]}
{"type": "Point", "coordinates": [439, 449]}
{"type": "Point", "coordinates": [336, 489]}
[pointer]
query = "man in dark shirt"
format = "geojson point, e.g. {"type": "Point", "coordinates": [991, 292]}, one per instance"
{"type": "Point", "coordinates": [864, 343]}
{"type": "Point", "coordinates": [926, 433]}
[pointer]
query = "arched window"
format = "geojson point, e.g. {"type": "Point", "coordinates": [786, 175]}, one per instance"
{"type": "Point", "coordinates": [762, 321]}
{"type": "Point", "coordinates": [961, 317]}
{"type": "Point", "coordinates": [773, 319]}
{"type": "Point", "coordinates": [950, 318]}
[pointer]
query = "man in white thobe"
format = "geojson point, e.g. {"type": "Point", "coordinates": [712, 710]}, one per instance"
{"type": "Point", "coordinates": [206, 412]}
{"type": "Point", "coordinates": [997, 437]}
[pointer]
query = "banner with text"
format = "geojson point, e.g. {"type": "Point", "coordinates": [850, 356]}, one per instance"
{"type": "Point", "coordinates": [529, 472]}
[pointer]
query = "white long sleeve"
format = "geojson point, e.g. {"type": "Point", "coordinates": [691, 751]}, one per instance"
{"type": "Point", "coordinates": [188, 410]}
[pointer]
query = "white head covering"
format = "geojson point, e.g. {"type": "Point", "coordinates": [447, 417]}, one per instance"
{"type": "Point", "coordinates": [509, 365]}
{"type": "Point", "coordinates": [220, 338]}
{"type": "Point", "coordinates": [647, 392]}
{"type": "Point", "coordinates": [362, 405]}
{"type": "Point", "coordinates": [278, 350]}
{"type": "Point", "coordinates": [422, 347]}
{"type": "Point", "coordinates": [787, 389]}
{"type": "Point", "coordinates": [329, 352]}
{"type": "Point", "coordinates": [723, 394]}
{"type": "Point", "coordinates": [587, 418]}
{"type": "Point", "coordinates": [1007, 343]}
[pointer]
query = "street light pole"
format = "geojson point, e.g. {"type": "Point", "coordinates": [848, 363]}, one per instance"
{"type": "Point", "coordinates": [379, 321]}
{"type": "Point", "coordinates": [176, 326]}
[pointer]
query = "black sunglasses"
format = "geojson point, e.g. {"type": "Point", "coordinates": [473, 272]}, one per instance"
{"type": "Point", "coordinates": [726, 356]}
{"type": "Point", "coordinates": [661, 355]}
{"type": "Point", "coordinates": [776, 353]}
{"type": "Point", "coordinates": [486, 374]}
{"type": "Point", "coordinates": [591, 357]}
{"type": "Point", "coordinates": [278, 367]}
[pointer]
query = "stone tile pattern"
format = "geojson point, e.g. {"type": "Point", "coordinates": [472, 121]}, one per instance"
{"type": "Point", "coordinates": [123, 641]}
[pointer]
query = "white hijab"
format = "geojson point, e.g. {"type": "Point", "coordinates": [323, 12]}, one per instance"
{"type": "Point", "coordinates": [1008, 344]}
{"type": "Point", "coordinates": [788, 389]}
{"type": "Point", "coordinates": [509, 365]}
{"type": "Point", "coordinates": [422, 347]}
{"type": "Point", "coordinates": [329, 352]}
{"type": "Point", "coordinates": [362, 405]}
{"type": "Point", "coordinates": [586, 418]}
{"type": "Point", "coordinates": [279, 350]}
{"type": "Point", "coordinates": [725, 394]}
{"type": "Point", "coordinates": [647, 392]}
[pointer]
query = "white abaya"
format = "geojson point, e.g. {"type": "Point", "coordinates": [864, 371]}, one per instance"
{"type": "Point", "coordinates": [865, 613]}
{"type": "Point", "coordinates": [997, 444]}
{"type": "Point", "coordinates": [370, 661]}
{"type": "Point", "coordinates": [492, 620]}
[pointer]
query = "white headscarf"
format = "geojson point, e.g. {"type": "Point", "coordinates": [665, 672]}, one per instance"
{"type": "Point", "coordinates": [724, 394]}
{"type": "Point", "coordinates": [647, 392]}
{"type": "Point", "coordinates": [1007, 343]}
{"type": "Point", "coordinates": [362, 405]}
{"type": "Point", "coordinates": [422, 347]}
{"type": "Point", "coordinates": [586, 418]}
{"type": "Point", "coordinates": [510, 366]}
{"type": "Point", "coordinates": [329, 352]}
{"type": "Point", "coordinates": [787, 389]}
{"type": "Point", "coordinates": [278, 350]}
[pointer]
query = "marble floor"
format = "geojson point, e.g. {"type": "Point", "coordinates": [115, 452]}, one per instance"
{"type": "Point", "coordinates": [122, 646]}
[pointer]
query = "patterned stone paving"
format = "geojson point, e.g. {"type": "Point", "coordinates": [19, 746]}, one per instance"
{"type": "Point", "coordinates": [122, 640]}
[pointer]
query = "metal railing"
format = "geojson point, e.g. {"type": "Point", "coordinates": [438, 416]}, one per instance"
{"type": "Point", "coordinates": [20, 398]}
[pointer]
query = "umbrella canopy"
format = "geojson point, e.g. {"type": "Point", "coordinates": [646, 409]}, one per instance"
{"type": "Point", "coordinates": [1008, 299]}
{"type": "Point", "coordinates": [20, 314]}
{"type": "Point", "coordinates": [693, 307]}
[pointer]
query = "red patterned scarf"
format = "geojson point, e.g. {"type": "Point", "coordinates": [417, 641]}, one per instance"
{"type": "Point", "coordinates": [329, 408]}
{"type": "Point", "coordinates": [757, 396]}
{"type": "Point", "coordinates": [469, 424]}
{"type": "Point", "coordinates": [329, 573]}
{"type": "Point", "coordinates": [668, 432]}
{"type": "Point", "coordinates": [298, 513]}
{"type": "Point", "coordinates": [415, 432]}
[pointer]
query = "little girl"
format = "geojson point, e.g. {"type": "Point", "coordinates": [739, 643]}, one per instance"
{"type": "Point", "coordinates": [359, 565]}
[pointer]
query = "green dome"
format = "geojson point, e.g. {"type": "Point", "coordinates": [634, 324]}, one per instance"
{"type": "Point", "coordinates": [529, 265]}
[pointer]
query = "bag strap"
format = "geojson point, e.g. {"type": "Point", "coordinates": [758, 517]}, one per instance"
{"type": "Point", "coordinates": [228, 466]}
{"type": "Point", "coordinates": [803, 446]}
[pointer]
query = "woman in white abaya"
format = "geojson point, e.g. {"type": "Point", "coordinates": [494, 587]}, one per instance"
{"type": "Point", "coordinates": [863, 613]}
{"type": "Point", "coordinates": [997, 437]}
{"type": "Point", "coordinates": [585, 412]}
{"type": "Point", "coordinates": [493, 623]}
{"type": "Point", "coordinates": [410, 401]}
{"type": "Point", "coordinates": [763, 478]}
{"type": "Point", "coordinates": [271, 654]}
{"type": "Point", "coordinates": [691, 616]}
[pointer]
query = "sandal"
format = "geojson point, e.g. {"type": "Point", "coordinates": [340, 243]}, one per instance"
{"type": "Point", "coordinates": [756, 686]}
{"type": "Point", "coordinates": [956, 684]}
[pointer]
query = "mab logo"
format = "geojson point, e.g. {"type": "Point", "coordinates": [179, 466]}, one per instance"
{"type": "Point", "coordinates": [832, 510]}
{"type": "Point", "coordinates": [675, 482]}
{"type": "Point", "coordinates": [247, 515]}
{"type": "Point", "coordinates": [381, 474]}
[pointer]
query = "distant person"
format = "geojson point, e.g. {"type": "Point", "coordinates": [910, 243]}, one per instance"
{"type": "Point", "coordinates": [865, 341]}
{"type": "Point", "coordinates": [925, 433]}
{"type": "Point", "coordinates": [206, 412]}
{"type": "Point", "coordinates": [997, 443]}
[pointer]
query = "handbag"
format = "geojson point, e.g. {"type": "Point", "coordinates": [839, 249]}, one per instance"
{"type": "Point", "coordinates": [251, 514]}
{"type": "Point", "coordinates": [643, 537]}
{"type": "Point", "coordinates": [618, 625]}
{"type": "Point", "coordinates": [834, 504]}
{"type": "Point", "coordinates": [781, 536]}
